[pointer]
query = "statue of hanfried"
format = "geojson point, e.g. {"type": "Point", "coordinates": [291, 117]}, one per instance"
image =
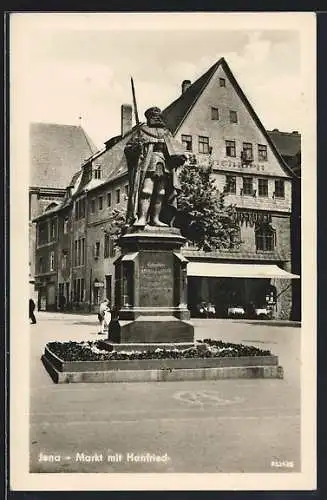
{"type": "Point", "coordinates": [152, 155]}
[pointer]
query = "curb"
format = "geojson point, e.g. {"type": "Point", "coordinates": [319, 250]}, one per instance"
{"type": "Point", "coordinates": [163, 375]}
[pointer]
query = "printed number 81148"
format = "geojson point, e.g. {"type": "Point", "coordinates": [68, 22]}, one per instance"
{"type": "Point", "coordinates": [282, 463]}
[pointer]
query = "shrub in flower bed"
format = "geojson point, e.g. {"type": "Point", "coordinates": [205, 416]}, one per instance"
{"type": "Point", "coordinates": [91, 351]}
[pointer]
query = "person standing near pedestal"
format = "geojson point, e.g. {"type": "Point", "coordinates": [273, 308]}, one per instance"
{"type": "Point", "coordinates": [152, 155]}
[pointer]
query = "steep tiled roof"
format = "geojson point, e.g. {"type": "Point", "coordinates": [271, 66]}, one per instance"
{"type": "Point", "coordinates": [56, 153]}
{"type": "Point", "coordinates": [287, 143]}
{"type": "Point", "coordinates": [178, 110]}
{"type": "Point", "coordinates": [175, 113]}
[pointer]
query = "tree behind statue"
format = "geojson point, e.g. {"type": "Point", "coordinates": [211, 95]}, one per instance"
{"type": "Point", "coordinates": [202, 215]}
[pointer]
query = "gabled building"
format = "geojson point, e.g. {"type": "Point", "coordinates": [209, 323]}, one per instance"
{"type": "Point", "coordinates": [216, 123]}
{"type": "Point", "coordinates": [56, 153]}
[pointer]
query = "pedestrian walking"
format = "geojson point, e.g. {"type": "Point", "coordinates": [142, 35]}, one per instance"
{"type": "Point", "coordinates": [104, 316]}
{"type": "Point", "coordinates": [31, 311]}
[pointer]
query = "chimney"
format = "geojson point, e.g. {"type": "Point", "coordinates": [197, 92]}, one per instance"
{"type": "Point", "coordinates": [185, 85]}
{"type": "Point", "coordinates": [126, 118]}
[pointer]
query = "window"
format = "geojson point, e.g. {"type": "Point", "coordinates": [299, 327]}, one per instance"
{"type": "Point", "coordinates": [97, 172]}
{"type": "Point", "coordinates": [78, 290]}
{"type": "Point", "coordinates": [230, 186]}
{"type": "Point", "coordinates": [247, 185]}
{"type": "Point", "coordinates": [263, 187]}
{"type": "Point", "coordinates": [66, 225]}
{"type": "Point", "coordinates": [108, 199]}
{"type": "Point", "coordinates": [117, 196]}
{"type": "Point", "coordinates": [42, 233]}
{"type": "Point", "coordinates": [214, 114]}
{"type": "Point", "coordinates": [230, 148]}
{"type": "Point", "coordinates": [279, 189]}
{"type": "Point", "coordinates": [92, 205]}
{"type": "Point", "coordinates": [126, 191]}
{"type": "Point", "coordinates": [52, 230]}
{"type": "Point", "coordinates": [80, 209]}
{"type": "Point", "coordinates": [187, 142]}
{"type": "Point", "coordinates": [222, 82]}
{"type": "Point", "coordinates": [203, 144]}
{"type": "Point", "coordinates": [64, 260]}
{"type": "Point", "coordinates": [82, 251]}
{"type": "Point", "coordinates": [233, 116]}
{"type": "Point", "coordinates": [247, 153]}
{"type": "Point", "coordinates": [265, 238]}
{"type": "Point", "coordinates": [97, 250]}
{"type": "Point", "coordinates": [52, 261]}
{"type": "Point", "coordinates": [41, 265]}
{"type": "Point", "coordinates": [109, 248]}
{"type": "Point", "coordinates": [100, 202]}
{"type": "Point", "coordinates": [75, 253]}
{"type": "Point", "coordinates": [262, 152]}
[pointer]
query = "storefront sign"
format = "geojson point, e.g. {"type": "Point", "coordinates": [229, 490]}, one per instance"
{"type": "Point", "coordinates": [238, 165]}
{"type": "Point", "coordinates": [98, 284]}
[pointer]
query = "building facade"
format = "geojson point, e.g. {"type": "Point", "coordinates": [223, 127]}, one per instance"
{"type": "Point", "coordinates": [56, 153]}
{"type": "Point", "coordinates": [214, 121]}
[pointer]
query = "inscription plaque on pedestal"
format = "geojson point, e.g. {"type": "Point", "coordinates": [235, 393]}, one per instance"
{"type": "Point", "coordinates": [156, 278]}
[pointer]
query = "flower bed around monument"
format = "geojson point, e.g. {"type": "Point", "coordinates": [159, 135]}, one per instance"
{"type": "Point", "coordinates": [91, 351]}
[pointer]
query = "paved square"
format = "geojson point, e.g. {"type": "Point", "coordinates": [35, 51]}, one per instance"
{"type": "Point", "coordinates": [205, 426]}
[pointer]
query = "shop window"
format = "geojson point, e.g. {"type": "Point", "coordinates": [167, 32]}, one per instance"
{"type": "Point", "coordinates": [222, 82]}
{"type": "Point", "coordinates": [233, 116]}
{"type": "Point", "coordinates": [279, 189]}
{"type": "Point", "coordinates": [230, 148]}
{"type": "Point", "coordinates": [214, 114]}
{"type": "Point", "coordinates": [230, 186]}
{"type": "Point", "coordinates": [265, 238]}
{"type": "Point", "coordinates": [263, 187]}
{"type": "Point", "coordinates": [248, 186]}
{"type": "Point", "coordinates": [108, 199]}
{"type": "Point", "coordinates": [203, 144]}
{"type": "Point", "coordinates": [262, 152]}
{"type": "Point", "coordinates": [187, 142]}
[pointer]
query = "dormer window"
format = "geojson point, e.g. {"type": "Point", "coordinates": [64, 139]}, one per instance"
{"type": "Point", "coordinates": [97, 172]}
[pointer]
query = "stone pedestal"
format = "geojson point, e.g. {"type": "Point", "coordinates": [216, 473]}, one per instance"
{"type": "Point", "coordinates": [151, 290]}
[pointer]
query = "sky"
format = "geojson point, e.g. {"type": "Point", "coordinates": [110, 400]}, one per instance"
{"type": "Point", "coordinates": [68, 66]}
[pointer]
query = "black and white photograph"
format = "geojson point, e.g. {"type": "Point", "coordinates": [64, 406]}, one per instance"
{"type": "Point", "coordinates": [163, 176]}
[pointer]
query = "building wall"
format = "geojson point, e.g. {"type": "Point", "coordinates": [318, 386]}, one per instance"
{"type": "Point", "coordinates": [199, 122]}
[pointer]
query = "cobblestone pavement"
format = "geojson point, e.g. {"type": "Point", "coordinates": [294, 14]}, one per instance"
{"type": "Point", "coordinates": [205, 426]}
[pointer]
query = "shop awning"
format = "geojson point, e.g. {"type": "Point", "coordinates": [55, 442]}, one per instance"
{"type": "Point", "coordinates": [221, 270]}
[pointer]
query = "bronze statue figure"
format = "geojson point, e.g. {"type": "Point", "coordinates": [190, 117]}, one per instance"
{"type": "Point", "coordinates": [153, 156]}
